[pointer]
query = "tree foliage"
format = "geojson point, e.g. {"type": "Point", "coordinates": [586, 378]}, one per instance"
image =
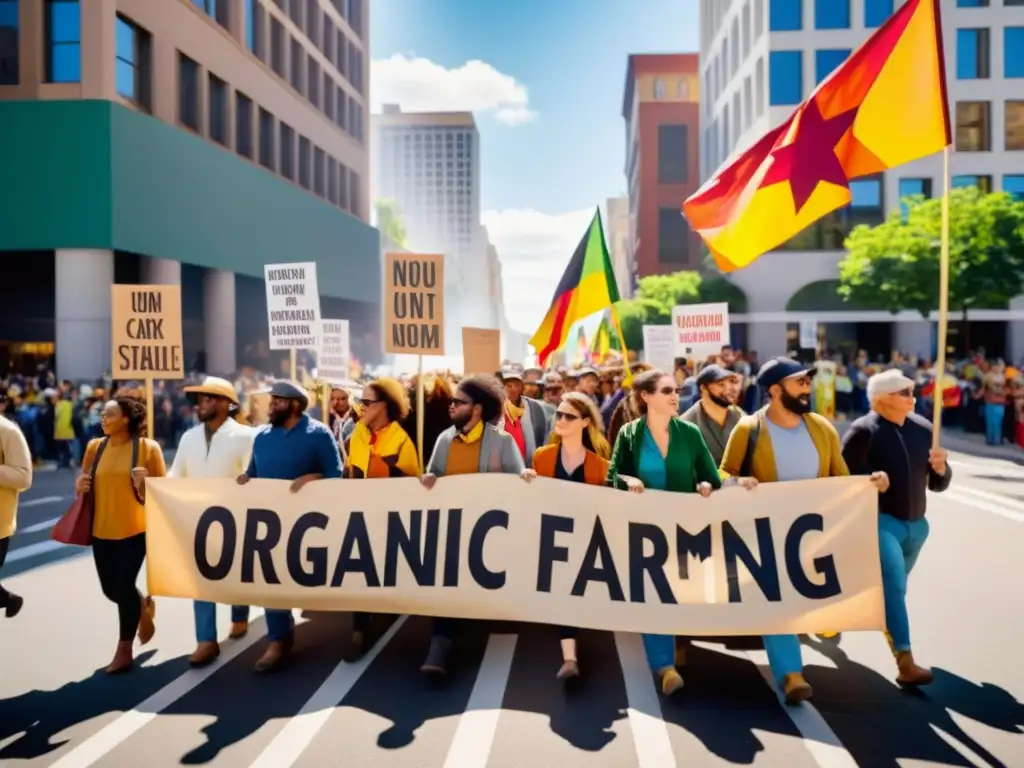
{"type": "Point", "coordinates": [896, 263]}
{"type": "Point", "coordinates": [390, 222]}
{"type": "Point", "coordinates": [656, 295]}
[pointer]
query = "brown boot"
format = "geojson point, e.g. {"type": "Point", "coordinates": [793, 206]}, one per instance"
{"type": "Point", "coordinates": [796, 689]}
{"type": "Point", "coordinates": [205, 654]}
{"type": "Point", "coordinates": [275, 655]}
{"type": "Point", "coordinates": [123, 660]}
{"type": "Point", "coordinates": [680, 653]}
{"type": "Point", "coordinates": [910, 673]}
{"type": "Point", "coordinates": [238, 629]}
{"type": "Point", "coordinates": [147, 622]}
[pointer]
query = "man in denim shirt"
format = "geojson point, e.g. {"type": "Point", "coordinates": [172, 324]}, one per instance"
{"type": "Point", "coordinates": [291, 447]}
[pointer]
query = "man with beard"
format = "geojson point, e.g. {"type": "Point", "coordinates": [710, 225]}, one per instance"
{"type": "Point", "coordinates": [291, 447]}
{"type": "Point", "coordinates": [588, 384]}
{"type": "Point", "coordinates": [470, 446]}
{"type": "Point", "coordinates": [525, 419]}
{"type": "Point", "coordinates": [785, 441]}
{"type": "Point", "coordinates": [716, 414]}
{"type": "Point", "coordinates": [216, 447]}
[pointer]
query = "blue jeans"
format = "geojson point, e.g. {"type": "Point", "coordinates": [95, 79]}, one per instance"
{"type": "Point", "coordinates": [994, 414]}
{"type": "Point", "coordinates": [660, 650]}
{"type": "Point", "coordinates": [206, 619]}
{"type": "Point", "coordinates": [784, 655]}
{"type": "Point", "coordinates": [899, 544]}
{"type": "Point", "coordinates": [280, 624]}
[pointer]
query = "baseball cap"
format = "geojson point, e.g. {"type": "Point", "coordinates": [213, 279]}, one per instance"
{"type": "Point", "coordinates": [777, 369]}
{"type": "Point", "coordinates": [709, 374]}
{"type": "Point", "coordinates": [887, 383]}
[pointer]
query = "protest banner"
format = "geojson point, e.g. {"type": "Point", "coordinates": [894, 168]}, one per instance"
{"type": "Point", "coordinates": [659, 347]}
{"type": "Point", "coordinates": [146, 341]}
{"type": "Point", "coordinates": [700, 329]}
{"type": "Point", "coordinates": [414, 304]}
{"type": "Point", "coordinates": [481, 350]}
{"type": "Point", "coordinates": [293, 307]}
{"type": "Point", "coordinates": [332, 363]}
{"type": "Point", "coordinates": [798, 557]}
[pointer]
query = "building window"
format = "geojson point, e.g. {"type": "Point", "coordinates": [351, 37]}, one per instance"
{"type": "Point", "coordinates": [328, 91]}
{"type": "Point", "coordinates": [866, 202]}
{"type": "Point", "coordinates": [785, 15]}
{"type": "Point", "coordinates": [342, 186]}
{"type": "Point", "coordinates": [9, 42]}
{"type": "Point", "coordinates": [831, 14]}
{"type": "Point", "coordinates": [746, 29]}
{"type": "Point", "coordinates": [341, 109]}
{"type": "Point", "coordinates": [319, 161]}
{"type": "Point", "coordinates": [355, 16]}
{"type": "Point", "coordinates": [218, 108]}
{"type": "Point", "coordinates": [972, 54]}
{"type": "Point", "coordinates": [876, 12]}
{"type": "Point", "coordinates": [659, 88]}
{"type": "Point", "coordinates": [332, 180]}
{"type": "Point", "coordinates": [973, 126]}
{"type": "Point", "coordinates": [682, 90]}
{"type": "Point", "coordinates": [826, 60]}
{"type": "Point", "coordinates": [327, 44]}
{"type": "Point", "coordinates": [287, 145]}
{"type": "Point", "coordinates": [673, 149]}
{"type": "Point", "coordinates": [243, 125]}
{"type": "Point", "coordinates": [355, 68]}
{"type": "Point", "coordinates": [305, 158]}
{"type": "Point", "coordinates": [354, 194]}
{"type": "Point", "coordinates": [737, 119]}
{"type": "Point", "coordinates": [63, 41]}
{"type": "Point", "coordinates": [255, 22]}
{"type": "Point", "coordinates": [313, 81]}
{"type": "Point", "coordinates": [1013, 52]}
{"type": "Point", "coordinates": [735, 41]}
{"type": "Point", "coordinates": [913, 188]}
{"type": "Point", "coordinates": [983, 183]}
{"type": "Point", "coordinates": [976, 3]}
{"type": "Point", "coordinates": [132, 63]}
{"type": "Point", "coordinates": [312, 20]}
{"type": "Point", "coordinates": [277, 47]}
{"type": "Point", "coordinates": [1014, 184]}
{"type": "Point", "coordinates": [759, 87]}
{"type": "Point", "coordinates": [673, 236]}
{"type": "Point", "coordinates": [1013, 129]}
{"type": "Point", "coordinates": [748, 104]}
{"type": "Point", "coordinates": [785, 78]}
{"type": "Point", "coordinates": [266, 139]}
{"type": "Point", "coordinates": [298, 59]}
{"type": "Point", "coordinates": [188, 92]}
{"type": "Point", "coordinates": [758, 18]}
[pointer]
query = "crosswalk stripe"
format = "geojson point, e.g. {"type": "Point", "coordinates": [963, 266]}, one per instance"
{"type": "Point", "coordinates": [650, 734]}
{"type": "Point", "coordinates": [106, 739]}
{"type": "Point", "coordinates": [32, 550]}
{"type": "Point", "coordinates": [471, 745]}
{"type": "Point", "coordinates": [45, 525]}
{"type": "Point", "coordinates": [298, 734]}
{"type": "Point", "coordinates": [987, 502]}
{"type": "Point", "coordinates": [38, 502]}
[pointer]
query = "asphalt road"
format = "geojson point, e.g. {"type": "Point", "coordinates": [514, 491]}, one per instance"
{"type": "Point", "coordinates": [501, 707]}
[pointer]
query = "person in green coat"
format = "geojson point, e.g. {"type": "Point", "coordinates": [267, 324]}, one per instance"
{"type": "Point", "coordinates": [665, 453]}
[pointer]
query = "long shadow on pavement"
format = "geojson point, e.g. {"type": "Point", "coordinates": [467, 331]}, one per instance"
{"type": "Point", "coordinates": [902, 723]}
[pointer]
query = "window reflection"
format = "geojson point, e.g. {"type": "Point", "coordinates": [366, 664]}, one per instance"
{"type": "Point", "coordinates": [63, 41]}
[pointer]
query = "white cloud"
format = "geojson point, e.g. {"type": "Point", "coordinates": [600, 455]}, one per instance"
{"type": "Point", "coordinates": [420, 85]}
{"type": "Point", "coordinates": [534, 249]}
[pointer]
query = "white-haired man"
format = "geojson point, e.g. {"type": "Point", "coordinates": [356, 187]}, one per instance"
{"type": "Point", "coordinates": [895, 440]}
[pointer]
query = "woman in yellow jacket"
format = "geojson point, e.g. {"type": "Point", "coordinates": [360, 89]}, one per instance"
{"type": "Point", "coordinates": [578, 453]}
{"type": "Point", "coordinates": [114, 470]}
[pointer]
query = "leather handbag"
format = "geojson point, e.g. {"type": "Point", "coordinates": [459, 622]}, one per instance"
{"type": "Point", "coordinates": [75, 527]}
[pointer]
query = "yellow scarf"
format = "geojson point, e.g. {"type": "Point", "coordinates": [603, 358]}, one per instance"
{"type": "Point", "coordinates": [392, 445]}
{"type": "Point", "coordinates": [474, 434]}
{"type": "Point", "coordinates": [515, 413]}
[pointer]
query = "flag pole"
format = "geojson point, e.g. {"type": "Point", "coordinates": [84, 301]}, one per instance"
{"type": "Point", "coordinates": [627, 370]}
{"type": "Point", "coordinates": [940, 357]}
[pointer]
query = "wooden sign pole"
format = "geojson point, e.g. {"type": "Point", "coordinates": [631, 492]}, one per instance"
{"type": "Point", "coordinates": [294, 373]}
{"type": "Point", "coordinates": [150, 410]}
{"type": "Point", "coordinates": [420, 397]}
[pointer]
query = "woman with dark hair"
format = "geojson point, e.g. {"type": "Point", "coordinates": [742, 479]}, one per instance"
{"type": "Point", "coordinates": [577, 452]}
{"type": "Point", "coordinates": [114, 471]}
{"type": "Point", "coordinates": [437, 401]}
{"type": "Point", "coordinates": [665, 453]}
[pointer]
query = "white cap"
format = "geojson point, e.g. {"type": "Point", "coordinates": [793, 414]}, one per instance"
{"type": "Point", "coordinates": [887, 383]}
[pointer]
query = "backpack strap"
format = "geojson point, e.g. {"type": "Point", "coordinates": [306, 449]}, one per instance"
{"type": "Point", "coordinates": [135, 462]}
{"type": "Point", "coordinates": [96, 461]}
{"type": "Point", "coordinates": [748, 457]}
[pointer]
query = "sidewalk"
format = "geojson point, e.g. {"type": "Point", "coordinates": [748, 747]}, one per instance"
{"type": "Point", "coordinates": [974, 444]}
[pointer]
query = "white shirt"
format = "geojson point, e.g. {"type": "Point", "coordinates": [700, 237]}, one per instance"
{"type": "Point", "coordinates": [227, 455]}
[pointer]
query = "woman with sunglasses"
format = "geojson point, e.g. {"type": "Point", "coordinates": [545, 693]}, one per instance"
{"type": "Point", "coordinates": [379, 448]}
{"type": "Point", "coordinates": [578, 453]}
{"type": "Point", "coordinates": [665, 453]}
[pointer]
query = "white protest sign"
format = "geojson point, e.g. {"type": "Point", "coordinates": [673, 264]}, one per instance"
{"type": "Point", "coordinates": [808, 334]}
{"type": "Point", "coordinates": [659, 347]}
{"type": "Point", "coordinates": [293, 305]}
{"type": "Point", "coordinates": [700, 330]}
{"type": "Point", "coordinates": [333, 361]}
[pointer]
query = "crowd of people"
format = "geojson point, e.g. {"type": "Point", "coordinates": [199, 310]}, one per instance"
{"type": "Point", "coordinates": [733, 421]}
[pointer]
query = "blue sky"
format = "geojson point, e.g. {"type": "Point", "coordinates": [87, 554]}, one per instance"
{"type": "Point", "coordinates": [556, 73]}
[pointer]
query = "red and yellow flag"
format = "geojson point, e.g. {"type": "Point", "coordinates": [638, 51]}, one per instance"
{"type": "Point", "coordinates": [885, 106]}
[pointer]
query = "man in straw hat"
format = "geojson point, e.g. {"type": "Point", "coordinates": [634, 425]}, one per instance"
{"type": "Point", "coordinates": [216, 447]}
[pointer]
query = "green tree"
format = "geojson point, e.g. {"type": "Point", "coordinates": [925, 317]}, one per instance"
{"type": "Point", "coordinates": [390, 222]}
{"type": "Point", "coordinates": [896, 263]}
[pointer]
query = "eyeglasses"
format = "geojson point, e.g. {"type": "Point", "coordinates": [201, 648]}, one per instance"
{"type": "Point", "coordinates": [904, 393]}
{"type": "Point", "coordinates": [667, 390]}
{"type": "Point", "coordinates": [559, 415]}
{"type": "Point", "coordinates": [366, 401]}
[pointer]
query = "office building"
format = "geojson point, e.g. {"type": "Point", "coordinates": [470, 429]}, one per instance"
{"type": "Point", "coordinates": [181, 141]}
{"type": "Point", "coordinates": [761, 58]}
{"type": "Point", "coordinates": [428, 163]}
{"type": "Point", "coordinates": [660, 108]}
{"type": "Point", "coordinates": [617, 235]}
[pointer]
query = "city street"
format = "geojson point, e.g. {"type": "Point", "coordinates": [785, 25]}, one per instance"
{"type": "Point", "coordinates": [502, 707]}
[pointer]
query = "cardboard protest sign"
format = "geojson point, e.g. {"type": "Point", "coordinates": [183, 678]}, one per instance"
{"type": "Point", "coordinates": [481, 350]}
{"type": "Point", "coordinates": [414, 304]}
{"type": "Point", "coordinates": [799, 557]}
{"type": "Point", "coordinates": [146, 332]}
{"type": "Point", "coordinates": [700, 330]}
{"type": "Point", "coordinates": [293, 305]}
{"type": "Point", "coordinates": [332, 362]}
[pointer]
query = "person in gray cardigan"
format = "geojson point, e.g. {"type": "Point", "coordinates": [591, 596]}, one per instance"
{"type": "Point", "coordinates": [471, 445]}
